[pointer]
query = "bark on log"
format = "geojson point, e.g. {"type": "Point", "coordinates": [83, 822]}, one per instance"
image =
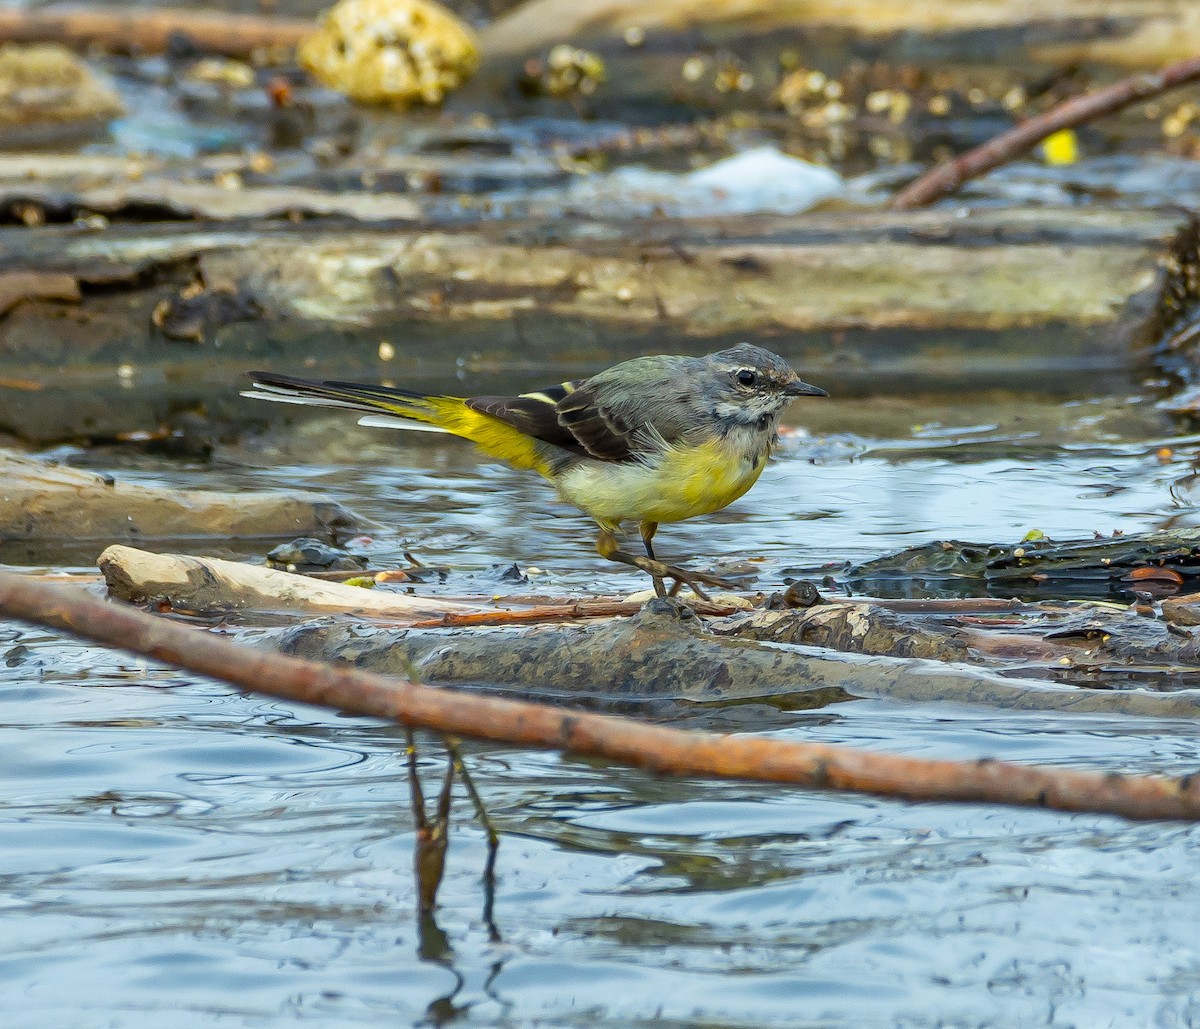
{"type": "Point", "coordinates": [1078, 643]}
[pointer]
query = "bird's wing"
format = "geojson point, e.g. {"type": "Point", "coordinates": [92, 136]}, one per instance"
{"type": "Point", "coordinates": [597, 426]}
{"type": "Point", "coordinates": [534, 414]}
{"type": "Point", "coordinates": [571, 416]}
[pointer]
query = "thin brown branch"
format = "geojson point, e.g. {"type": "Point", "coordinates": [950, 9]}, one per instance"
{"type": "Point", "coordinates": [142, 30]}
{"type": "Point", "coordinates": [657, 749]}
{"type": "Point", "coordinates": [944, 179]}
{"type": "Point", "coordinates": [563, 612]}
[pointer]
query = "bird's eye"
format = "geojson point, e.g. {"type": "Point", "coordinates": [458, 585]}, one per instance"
{"type": "Point", "coordinates": [746, 377]}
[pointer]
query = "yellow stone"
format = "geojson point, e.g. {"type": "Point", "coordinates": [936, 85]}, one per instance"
{"type": "Point", "coordinates": [393, 52]}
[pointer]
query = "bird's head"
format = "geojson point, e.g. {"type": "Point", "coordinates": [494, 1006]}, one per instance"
{"type": "Point", "coordinates": [749, 386]}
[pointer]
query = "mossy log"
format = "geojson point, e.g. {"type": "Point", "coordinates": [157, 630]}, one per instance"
{"type": "Point", "coordinates": [169, 317]}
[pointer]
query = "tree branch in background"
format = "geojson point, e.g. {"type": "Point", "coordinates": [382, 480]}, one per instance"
{"type": "Point", "coordinates": [653, 748]}
{"type": "Point", "coordinates": [944, 179]}
{"type": "Point", "coordinates": [147, 31]}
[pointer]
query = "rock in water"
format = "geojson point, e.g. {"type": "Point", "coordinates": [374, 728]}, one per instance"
{"type": "Point", "coordinates": [46, 92]}
{"type": "Point", "coordinates": [394, 52]}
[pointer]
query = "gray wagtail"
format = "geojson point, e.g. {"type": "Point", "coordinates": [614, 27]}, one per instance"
{"type": "Point", "coordinates": [655, 439]}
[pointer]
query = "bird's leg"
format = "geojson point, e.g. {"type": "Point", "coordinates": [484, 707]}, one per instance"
{"type": "Point", "coordinates": [648, 529]}
{"type": "Point", "coordinates": [607, 546]}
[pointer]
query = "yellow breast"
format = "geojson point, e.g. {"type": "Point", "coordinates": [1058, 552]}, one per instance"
{"type": "Point", "coordinates": [682, 482]}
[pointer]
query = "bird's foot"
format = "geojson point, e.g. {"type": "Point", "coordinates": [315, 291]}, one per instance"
{"type": "Point", "coordinates": [682, 576]}
{"type": "Point", "coordinates": [606, 545]}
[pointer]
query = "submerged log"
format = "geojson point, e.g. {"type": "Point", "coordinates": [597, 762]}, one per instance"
{"type": "Point", "coordinates": [667, 653]}
{"type": "Point", "coordinates": [656, 749]}
{"type": "Point", "coordinates": [40, 500]}
{"type": "Point", "coordinates": [871, 297]}
{"type": "Point", "coordinates": [1157, 563]}
{"type": "Point", "coordinates": [1006, 654]}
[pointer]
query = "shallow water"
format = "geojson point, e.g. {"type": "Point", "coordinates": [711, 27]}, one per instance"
{"type": "Point", "coordinates": [179, 853]}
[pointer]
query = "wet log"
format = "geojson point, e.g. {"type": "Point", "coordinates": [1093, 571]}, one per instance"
{"type": "Point", "coordinates": [1104, 646]}
{"type": "Point", "coordinates": [667, 653]}
{"type": "Point", "coordinates": [719, 54]}
{"type": "Point", "coordinates": [169, 317]}
{"type": "Point", "coordinates": [210, 585]}
{"type": "Point", "coordinates": [1005, 654]}
{"type": "Point", "coordinates": [1158, 563]}
{"type": "Point", "coordinates": [1184, 610]}
{"type": "Point", "coordinates": [43, 501]}
{"type": "Point", "coordinates": [656, 749]}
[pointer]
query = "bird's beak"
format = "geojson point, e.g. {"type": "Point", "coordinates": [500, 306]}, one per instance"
{"type": "Point", "coordinates": [803, 389]}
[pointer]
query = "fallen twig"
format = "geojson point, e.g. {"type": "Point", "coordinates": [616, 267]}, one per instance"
{"type": "Point", "coordinates": [566, 611]}
{"type": "Point", "coordinates": [944, 179]}
{"type": "Point", "coordinates": [138, 30]}
{"type": "Point", "coordinates": [657, 749]}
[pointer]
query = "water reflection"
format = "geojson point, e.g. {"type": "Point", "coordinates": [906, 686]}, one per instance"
{"type": "Point", "coordinates": [176, 852]}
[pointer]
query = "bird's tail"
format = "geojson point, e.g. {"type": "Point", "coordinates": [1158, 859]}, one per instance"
{"type": "Point", "coordinates": [384, 406]}
{"type": "Point", "coordinates": [391, 408]}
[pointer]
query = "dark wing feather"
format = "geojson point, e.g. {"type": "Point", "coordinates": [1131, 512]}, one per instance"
{"type": "Point", "coordinates": [601, 432]}
{"type": "Point", "coordinates": [534, 414]}
{"type": "Point", "coordinates": [568, 416]}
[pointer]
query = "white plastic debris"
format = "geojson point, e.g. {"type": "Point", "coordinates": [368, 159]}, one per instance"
{"type": "Point", "coordinates": [762, 180]}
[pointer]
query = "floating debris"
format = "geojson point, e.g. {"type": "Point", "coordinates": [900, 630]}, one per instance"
{"type": "Point", "coordinates": [566, 71]}
{"type": "Point", "coordinates": [760, 180]}
{"type": "Point", "coordinates": [307, 554]}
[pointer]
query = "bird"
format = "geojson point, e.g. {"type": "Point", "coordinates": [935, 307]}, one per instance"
{"type": "Point", "coordinates": [659, 438]}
